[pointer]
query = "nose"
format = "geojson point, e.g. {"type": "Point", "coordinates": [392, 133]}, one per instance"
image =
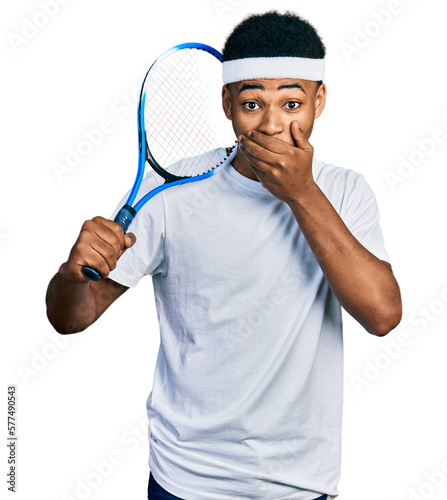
{"type": "Point", "coordinates": [271, 123]}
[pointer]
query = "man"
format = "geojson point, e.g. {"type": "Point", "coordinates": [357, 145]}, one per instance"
{"type": "Point", "coordinates": [247, 394]}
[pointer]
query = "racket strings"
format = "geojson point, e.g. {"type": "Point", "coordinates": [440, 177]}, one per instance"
{"type": "Point", "coordinates": [184, 92]}
{"type": "Point", "coordinates": [183, 113]}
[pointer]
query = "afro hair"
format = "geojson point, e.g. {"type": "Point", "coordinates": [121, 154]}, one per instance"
{"type": "Point", "coordinates": [274, 35]}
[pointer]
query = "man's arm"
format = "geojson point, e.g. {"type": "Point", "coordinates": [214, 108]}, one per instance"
{"type": "Point", "coordinates": [363, 284]}
{"type": "Point", "coordinates": [74, 302]}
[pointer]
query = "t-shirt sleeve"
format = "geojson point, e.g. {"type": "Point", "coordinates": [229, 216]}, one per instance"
{"type": "Point", "coordinates": [147, 256]}
{"type": "Point", "coordinates": [360, 213]}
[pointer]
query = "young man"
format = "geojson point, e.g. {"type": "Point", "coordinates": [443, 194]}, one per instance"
{"type": "Point", "coordinates": [247, 394]}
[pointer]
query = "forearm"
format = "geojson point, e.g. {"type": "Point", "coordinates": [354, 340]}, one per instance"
{"type": "Point", "coordinates": [363, 284]}
{"type": "Point", "coordinates": [71, 305]}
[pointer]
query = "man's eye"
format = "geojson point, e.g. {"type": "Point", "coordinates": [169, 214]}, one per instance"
{"type": "Point", "coordinates": [251, 105]}
{"type": "Point", "coordinates": [293, 105]}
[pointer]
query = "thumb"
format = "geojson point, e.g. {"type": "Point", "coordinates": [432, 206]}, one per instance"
{"type": "Point", "coordinates": [300, 138]}
{"type": "Point", "coordinates": [129, 241]}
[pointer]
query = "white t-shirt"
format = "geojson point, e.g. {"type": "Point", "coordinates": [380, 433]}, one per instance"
{"type": "Point", "coordinates": [247, 393]}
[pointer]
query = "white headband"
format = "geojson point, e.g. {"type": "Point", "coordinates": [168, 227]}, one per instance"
{"type": "Point", "coordinates": [252, 68]}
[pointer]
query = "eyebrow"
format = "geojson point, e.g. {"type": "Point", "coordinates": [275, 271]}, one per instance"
{"type": "Point", "coordinates": [260, 87]}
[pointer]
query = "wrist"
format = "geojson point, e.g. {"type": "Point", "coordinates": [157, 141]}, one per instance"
{"type": "Point", "coordinates": [305, 195]}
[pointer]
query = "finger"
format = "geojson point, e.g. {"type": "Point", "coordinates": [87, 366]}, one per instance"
{"type": "Point", "coordinates": [100, 244]}
{"type": "Point", "coordinates": [301, 140]}
{"type": "Point", "coordinates": [103, 254]}
{"type": "Point", "coordinates": [85, 254]}
{"type": "Point", "coordinates": [109, 253]}
{"type": "Point", "coordinates": [260, 168]}
{"type": "Point", "coordinates": [109, 231]}
{"type": "Point", "coordinates": [255, 152]}
{"type": "Point", "coordinates": [129, 241]}
{"type": "Point", "coordinates": [265, 173]}
{"type": "Point", "coordinates": [272, 144]}
{"type": "Point", "coordinates": [98, 260]}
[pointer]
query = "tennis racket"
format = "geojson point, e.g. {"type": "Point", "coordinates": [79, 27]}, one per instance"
{"type": "Point", "coordinates": [180, 118]}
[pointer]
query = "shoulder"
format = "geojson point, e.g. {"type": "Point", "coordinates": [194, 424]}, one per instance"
{"type": "Point", "coordinates": [327, 174]}
{"type": "Point", "coordinates": [341, 185]}
{"type": "Point", "coordinates": [197, 165]}
{"type": "Point", "coordinates": [150, 181]}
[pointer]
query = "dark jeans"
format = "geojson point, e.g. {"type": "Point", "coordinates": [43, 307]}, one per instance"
{"type": "Point", "coordinates": [156, 492]}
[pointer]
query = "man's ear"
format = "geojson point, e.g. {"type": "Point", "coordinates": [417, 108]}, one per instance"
{"type": "Point", "coordinates": [226, 101]}
{"type": "Point", "coordinates": [320, 100]}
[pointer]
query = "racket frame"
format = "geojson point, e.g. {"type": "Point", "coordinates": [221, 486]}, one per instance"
{"type": "Point", "coordinates": [144, 153]}
{"type": "Point", "coordinates": [127, 213]}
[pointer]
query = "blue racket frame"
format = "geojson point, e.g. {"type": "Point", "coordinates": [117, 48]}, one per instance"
{"type": "Point", "coordinates": [128, 212]}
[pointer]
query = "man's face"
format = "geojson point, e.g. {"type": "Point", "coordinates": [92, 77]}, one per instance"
{"type": "Point", "coordinates": [270, 105]}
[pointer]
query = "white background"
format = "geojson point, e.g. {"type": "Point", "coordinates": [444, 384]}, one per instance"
{"type": "Point", "coordinates": [81, 397]}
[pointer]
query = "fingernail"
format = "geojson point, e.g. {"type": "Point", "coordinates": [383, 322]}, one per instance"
{"type": "Point", "coordinates": [129, 241]}
{"type": "Point", "coordinates": [250, 133]}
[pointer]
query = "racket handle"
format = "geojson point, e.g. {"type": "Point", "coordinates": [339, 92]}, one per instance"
{"type": "Point", "coordinates": [124, 218]}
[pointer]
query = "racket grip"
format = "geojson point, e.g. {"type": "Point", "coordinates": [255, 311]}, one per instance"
{"type": "Point", "coordinates": [124, 218]}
